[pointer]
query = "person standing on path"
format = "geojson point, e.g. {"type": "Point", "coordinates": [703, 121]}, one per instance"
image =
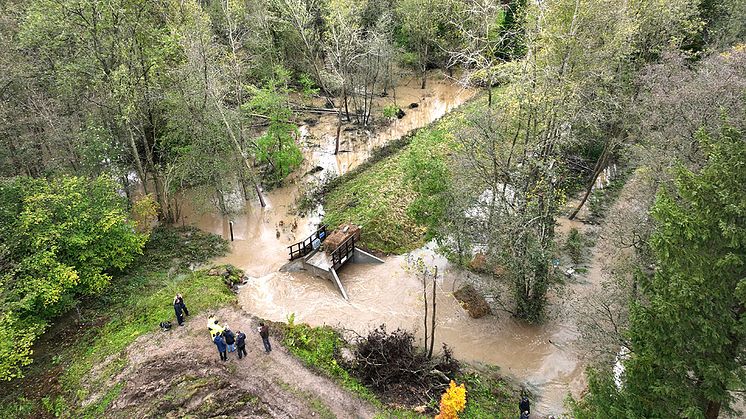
{"type": "Point", "coordinates": [241, 343]}
{"type": "Point", "coordinates": [264, 333]}
{"type": "Point", "coordinates": [178, 310]}
{"type": "Point", "coordinates": [220, 343]}
{"type": "Point", "coordinates": [214, 327]}
{"type": "Point", "coordinates": [180, 300]}
{"type": "Point", "coordinates": [230, 338]}
{"type": "Point", "coordinates": [524, 405]}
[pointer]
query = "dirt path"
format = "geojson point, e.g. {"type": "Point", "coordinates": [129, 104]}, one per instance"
{"type": "Point", "coordinates": [178, 373]}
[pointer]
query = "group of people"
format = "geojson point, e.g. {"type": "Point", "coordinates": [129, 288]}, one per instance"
{"type": "Point", "coordinates": [222, 336]}
{"type": "Point", "coordinates": [227, 341]}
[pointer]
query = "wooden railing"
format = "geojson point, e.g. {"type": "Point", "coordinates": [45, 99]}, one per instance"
{"type": "Point", "coordinates": [305, 247]}
{"type": "Point", "coordinates": [341, 254]}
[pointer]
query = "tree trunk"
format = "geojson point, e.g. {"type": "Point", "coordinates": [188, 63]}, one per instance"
{"type": "Point", "coordinates": [138, 162]}
{"type": "Point", "coordinates": [259, 194]}
{"type": "Point", "coordinates": [424, 296]}
{"type": "Point", "coordinates": [597, 170]}
{"type": "Point", "coordinates": [432, 327]}
{"type": "Point", "coordinates": [713, 410]}
{"type": "Point", "coordinates": [339, 131]}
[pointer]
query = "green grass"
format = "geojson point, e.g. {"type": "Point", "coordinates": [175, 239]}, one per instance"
{"type": "Point", "coordinates": [316, 347]}
{"type": "Point", "coordinates": [378, 194]}
{"type": "Point", "coordinates": [134, 304]}
{"type": "Point", "coordinates": [488, 396]}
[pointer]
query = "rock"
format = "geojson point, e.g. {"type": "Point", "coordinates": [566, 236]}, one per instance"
{"type": "Point", "coordinates": [420, 409]}
{"type": "Point", "coordinates": [315, 170]}
{"type": "Point", "coordinates": [472, 302]}
{"type": "Point", "coordinates": [479, 262]}
{"type": "Point", "coordinates": [311, 121]}
{"type": "Point", "coordinates": [414, 105]}
{"type": "Point", "coordinates": [346, 355]}
{"type": "Point", "coordinates": [277, 234]}
{"type": "Point", "coordinates": [400, 114]}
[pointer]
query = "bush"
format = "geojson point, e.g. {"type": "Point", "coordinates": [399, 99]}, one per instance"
{"type": "Point", "coordinates": [390, 111]}
{"type": "Point", "coordinates": [390, 364]}
{"type": "Point", "coordinates": [574, 246]}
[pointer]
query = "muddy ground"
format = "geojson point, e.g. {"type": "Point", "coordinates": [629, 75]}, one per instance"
{"type": "Point", "coordinates": [179, 373]}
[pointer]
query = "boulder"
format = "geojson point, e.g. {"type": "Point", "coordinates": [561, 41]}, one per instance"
{"type": "Point", "coordinates": [414, 105]}
{"type": "Point", "coordinates": [472, 301]}
{"type": "Point", "coordinates": [478, 263]}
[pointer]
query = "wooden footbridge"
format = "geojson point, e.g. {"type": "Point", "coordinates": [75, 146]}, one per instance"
{"type": "Point", "coordinates": [327, 264]}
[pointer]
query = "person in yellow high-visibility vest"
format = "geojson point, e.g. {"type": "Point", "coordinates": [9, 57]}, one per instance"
{"type": "Point", "coordinates": [214, 327]}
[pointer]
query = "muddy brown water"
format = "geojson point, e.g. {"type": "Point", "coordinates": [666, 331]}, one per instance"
{"type": "Point", "coordinates": [544, 357]}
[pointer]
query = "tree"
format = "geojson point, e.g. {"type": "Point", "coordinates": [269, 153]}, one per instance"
{"type": "Point", "coordinates": [491, 34]}
{"type": "Point", "coordinates": [60, 240]}
{"type": "Point", "coordinates": [420, 20]}
{"type": "Point", "coordinates": [687, 327]}
{"type": "Point", "coordinates": [277, 146]}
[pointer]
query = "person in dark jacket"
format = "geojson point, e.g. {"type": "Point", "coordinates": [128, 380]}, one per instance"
{"type": "Point", "coordinates": [180, 300]}
{"type": "Point", "coordinates": [241, 344]}
{"type": "Point", "coordinates": [230, 338]}
{"type": "Point", "coordinates": [264, 333]}
{"type": "Point", "coordinates": [178, 310]}
{"type": "Point", "coordinates": [524, 405]}
{"type": "Point", "coordinates": [220, 343]}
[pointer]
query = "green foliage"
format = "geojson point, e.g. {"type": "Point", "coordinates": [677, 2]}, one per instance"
{"type": "Point", "coordinates": [60, 240]}
{"type": "Point", "coordinates": [488, 396]}
{"type": "Point", "coordinates": [687, 328]}
{"type": "Point", "coordinates": [277, 147]}
{"type": "Point", "coordinates": [317, 347]}
{"type": "Point", "coordinates": [574, 245]}
{"type": "Point", "coordinates": [308, 87]}
{"type": "Point", "coordinates": [390, 111]}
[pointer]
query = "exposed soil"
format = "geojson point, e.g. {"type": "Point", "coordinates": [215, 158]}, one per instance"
{"type": "Point", "coordinates": [179, 373]}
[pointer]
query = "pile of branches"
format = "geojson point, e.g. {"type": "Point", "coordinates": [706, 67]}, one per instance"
{"type": "Point", "coordinates": [390, 364]}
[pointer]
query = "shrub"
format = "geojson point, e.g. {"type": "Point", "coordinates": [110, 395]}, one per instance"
{"type": "Point", "coordinates": [574, 246]}
{"type": "Point", "coordinates": [452, 402]}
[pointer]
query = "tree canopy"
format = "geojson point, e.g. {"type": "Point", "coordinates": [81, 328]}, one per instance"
{"type": "Point", "coordinates": [60, 239]}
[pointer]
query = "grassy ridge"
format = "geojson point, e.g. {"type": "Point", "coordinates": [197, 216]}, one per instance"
{"type": "Point", "coordinates": [378, 194]}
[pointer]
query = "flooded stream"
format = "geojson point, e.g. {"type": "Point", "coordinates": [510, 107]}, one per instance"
{"type": "Point", "coordinates": [391, 294]}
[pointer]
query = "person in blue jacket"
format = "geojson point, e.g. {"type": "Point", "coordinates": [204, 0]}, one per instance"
{"type": "Point", "coordinates": [220, 343]}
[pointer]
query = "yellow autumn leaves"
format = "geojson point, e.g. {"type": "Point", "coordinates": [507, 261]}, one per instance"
{"type": "Point", "coordinates": [452, 402]}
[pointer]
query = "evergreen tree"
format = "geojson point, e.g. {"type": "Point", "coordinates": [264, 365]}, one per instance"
{"type": "Point", "coordinates": [687, 325]}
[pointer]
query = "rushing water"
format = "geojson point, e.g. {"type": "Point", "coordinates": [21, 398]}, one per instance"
{"type": "Point", "coordinates": [542, 356]}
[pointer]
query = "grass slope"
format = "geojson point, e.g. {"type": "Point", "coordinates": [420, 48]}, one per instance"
{"type": "Point", "coordinates": [378, 194]}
